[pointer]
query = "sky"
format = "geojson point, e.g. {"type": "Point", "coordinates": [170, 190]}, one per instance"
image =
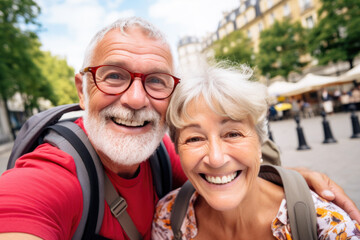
{"type": "Point", "coordinates": [68, 25]}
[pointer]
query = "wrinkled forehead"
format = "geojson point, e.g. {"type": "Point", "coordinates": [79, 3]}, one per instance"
{"type": "Point", "coordinates": [228, 109]}
{"type": "Point", "coordinates": [134, 41]}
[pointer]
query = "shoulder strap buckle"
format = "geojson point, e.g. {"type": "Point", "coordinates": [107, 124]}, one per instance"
{"type": "Point", "coordinates": [118, 206]}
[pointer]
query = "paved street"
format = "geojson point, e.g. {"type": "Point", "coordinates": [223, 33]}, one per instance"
{"type": "Point", "coordinates": [340, 161]}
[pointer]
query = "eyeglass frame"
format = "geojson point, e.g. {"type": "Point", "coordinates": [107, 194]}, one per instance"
{"type": "Point", "coordinates": [133, 75]}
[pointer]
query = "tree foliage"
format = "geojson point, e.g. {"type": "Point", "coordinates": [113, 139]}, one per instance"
{"type": "Point", "coordinates": [24, 68]}
{"type": "Point", "coordinates": [234, 47]}
{"type": "Point", "coordinates": [19, 46]}
{"type": "Point", "coordinates": [336, 35]}
{"type": "Point", "coordinates": [59, 76]}
{"type": "Point", "coordinates": [280, 49]}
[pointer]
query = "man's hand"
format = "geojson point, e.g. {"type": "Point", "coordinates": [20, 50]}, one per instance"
{"type": "Point", "coordinates": [328, 189]}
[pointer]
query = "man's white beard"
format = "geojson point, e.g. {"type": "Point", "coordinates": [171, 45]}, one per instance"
{"type": "Point", "coordinates": [119, 147]}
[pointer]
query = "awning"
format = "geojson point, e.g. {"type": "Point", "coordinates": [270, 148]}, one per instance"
{"type": "Point", "coordinates": [310, 82]}
{"type": "Point", "coordinates": [351, 75]}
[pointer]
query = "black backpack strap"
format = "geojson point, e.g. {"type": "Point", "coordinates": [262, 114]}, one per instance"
{"type": "Point", "coordinates": [300, 206]}
{"type": "Point", "coordinates": [70, 138]}
{"type": "Point", "coordinates": [161, 170]}
{"type": "Point", "coordinates": [118, 207]}
{"type": "Point", "coordinates": [179, 208]}
{"type": "Point", "coordinates": [34, 127]}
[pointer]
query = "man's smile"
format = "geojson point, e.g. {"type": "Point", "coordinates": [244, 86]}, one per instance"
{"type": "Point", "coordinates": [129, 123]}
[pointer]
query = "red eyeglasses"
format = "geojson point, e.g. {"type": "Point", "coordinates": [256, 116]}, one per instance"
{"type": "Point", "coordinates": [114, 80]}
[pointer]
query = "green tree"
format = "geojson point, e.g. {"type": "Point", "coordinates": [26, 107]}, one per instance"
{"type": "Point", "coordinates": [60, 77]}
{"type": "Point", "coordinates": [280, 49]}
{"type": "Point", "coordinates": [235, 47]}
{"type": "Point", "coordinates": [19, 46]}
{"type": "Point", "coordinates": [30, 81]}
{"type": "Point", "coordinates": [336, 35]}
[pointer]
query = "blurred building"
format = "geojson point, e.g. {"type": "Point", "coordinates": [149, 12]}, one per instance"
{"type": "Point", "coordinates": [5, 129]}
{"type": "Point", "coordinates": [12, 116]}
{"type": "Point", "coordinates": [252, 17]}
{"type": "Point", "coordinates": [189, 51]}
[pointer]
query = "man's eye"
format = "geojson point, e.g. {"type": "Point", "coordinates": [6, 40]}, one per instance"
{"type": "Point", "coordinates": [115, 75]}
{"type": "Point", "coordinates": [156, 80]}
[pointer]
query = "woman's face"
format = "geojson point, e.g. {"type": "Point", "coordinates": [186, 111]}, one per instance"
{"type": "Point", "coordinates": [220, 156]}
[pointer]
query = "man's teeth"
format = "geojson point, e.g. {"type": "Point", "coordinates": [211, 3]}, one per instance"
{"type": "Point", "coordinates": [130, 123]}
{"type": "Point", "coordinates": [221, 180]}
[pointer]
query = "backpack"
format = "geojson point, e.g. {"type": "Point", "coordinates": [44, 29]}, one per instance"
{"type": "Point", "coordinates": [47, 127]}
{"type": "Point", "coordinates": [300, 206]}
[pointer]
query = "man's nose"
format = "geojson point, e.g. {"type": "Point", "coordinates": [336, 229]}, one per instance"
{"type": "Point", "coordinates": [135, 97]}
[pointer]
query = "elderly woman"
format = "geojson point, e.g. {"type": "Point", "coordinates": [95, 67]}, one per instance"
{"type": "Point", "coordinates": [217, 121]}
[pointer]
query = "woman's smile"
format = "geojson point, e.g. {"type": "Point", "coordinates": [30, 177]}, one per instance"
{"type": "Point", "coordinates": [221, 179]}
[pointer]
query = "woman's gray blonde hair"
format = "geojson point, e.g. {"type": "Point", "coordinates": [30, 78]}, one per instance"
{"type": "Point", "coordinates": [228, 90]}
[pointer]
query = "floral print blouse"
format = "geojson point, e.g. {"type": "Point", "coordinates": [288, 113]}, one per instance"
{"type": "Point", "coordinates": [332, 222]}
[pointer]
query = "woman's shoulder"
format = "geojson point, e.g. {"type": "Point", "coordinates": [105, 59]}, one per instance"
{"type": "Point", "coordinates": [161, 228]}
{"type": "Point", "coordinates": [165, 204]}
{"type": "Point", "coordinates": [333, 222]}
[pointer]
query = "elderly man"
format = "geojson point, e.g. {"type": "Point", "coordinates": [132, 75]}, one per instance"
{"type": "Point", "coordinates": [124, 88]}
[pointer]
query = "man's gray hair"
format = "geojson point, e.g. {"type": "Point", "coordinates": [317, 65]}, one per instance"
{"type": "Point", "coordinates": [123, 24]}
{"type": "Point", "coordinates": [229, 91]}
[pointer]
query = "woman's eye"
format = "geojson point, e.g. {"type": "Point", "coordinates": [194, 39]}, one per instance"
{"type": "Point", "coordinates": [193, 139]}
{"type": "Point", "coordinates": [233, 134]}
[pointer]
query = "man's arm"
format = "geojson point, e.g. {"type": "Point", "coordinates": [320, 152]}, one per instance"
{"type": "Point", "coordinates": [43, 194]}
{"type": "Point", "coordinates": [18, 236]}
{"type": "Point", "coordinates": [329, 190]}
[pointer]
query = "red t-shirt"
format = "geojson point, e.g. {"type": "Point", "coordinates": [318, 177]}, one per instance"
{"type": "Point", "coordinates": [42, 195]}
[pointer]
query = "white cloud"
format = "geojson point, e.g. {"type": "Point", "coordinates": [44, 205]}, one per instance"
{"type": "Point", "coordinates": [78, 21]}
{"type": "Point", "coordinates": [70, 24]}
{"type": "Point", "coordinates": [179, 18]}
{"type": "Point", "coordinates": [191, 17]}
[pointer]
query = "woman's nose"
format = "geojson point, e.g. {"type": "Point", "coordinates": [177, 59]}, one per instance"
{"type": "Point", "coordinates": [216, 156]}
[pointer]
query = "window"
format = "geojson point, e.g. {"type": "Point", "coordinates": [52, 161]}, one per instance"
{"type": "Point", "coordinates": [269, 4]}
{"type": "Point", "coordinates": [272, 18]}
{"type": "Point", "coordinates": [249, 33]}
{"type": "Point", "coordinates": [286, 10]}
{"type": "Point", "coordinates": [232, 17]}
{"type": "Point", "coordinates": [242, 8]}
{"type": "Point", "coordinates": [305, 4]}
{"type": "Point", "coordinates": [309, 22]}
{"type": "Point", "coordinates": [260, 26]}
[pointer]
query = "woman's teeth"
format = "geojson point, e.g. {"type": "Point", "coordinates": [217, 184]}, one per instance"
{"type": "Point", "coordinates": [221, 180]}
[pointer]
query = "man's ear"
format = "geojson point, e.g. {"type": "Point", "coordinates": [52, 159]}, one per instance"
{"type": "Point", "coordinates": [79, 88]}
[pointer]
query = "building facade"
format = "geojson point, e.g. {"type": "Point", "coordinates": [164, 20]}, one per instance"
{"type": "Point", "coordinates": [252, 17]}
{"type": "Point", "coordinates": [5, 129]}
{"type": "Point", "coordinates": [189, 52]}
